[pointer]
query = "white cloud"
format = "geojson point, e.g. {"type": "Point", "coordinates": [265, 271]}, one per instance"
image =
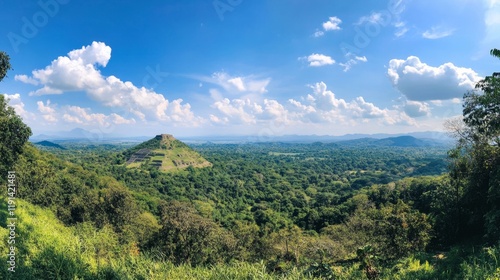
{"type": "Point", "coordinates": [416, 109]}
{"type": "Point", "coordinates": [78, 115]}
{"type": "Point", "coordinates": [238, 111]}
{"type": "Point", "coordinates": [317, 60]}
{"type": "Point", "coordinates": [14, 100]}
{"type": "Point", "coordinates": [217, 120]}
{"type": "Point", "coordinates": [25, 79]}
{"type": "Point", "coordinates": [421, 82]}
{"type": "Point", "coordinates": [332, 24]}
{"type": "Point", "coordinates": [48, 111]}
{"type": "Point", "coordinates": [352, 60]}
{"type": "Point", "coordinates": [238, 84]}
{"type": "Point", "coordinates": [322, 106]}
{"type": "Point", "coordinates": [437, 32]}
{"type": "Point", "coordinates": [78, 71]}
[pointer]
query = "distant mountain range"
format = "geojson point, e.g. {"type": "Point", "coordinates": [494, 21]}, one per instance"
{"type": "Point", "coordinates": [400, 141]}
{"type": "Point", "coordinates": [79, 134]}
{"type": "Point", "coordinates": [429, 138]}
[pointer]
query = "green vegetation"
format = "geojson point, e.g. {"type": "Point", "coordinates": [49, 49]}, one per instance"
{"type": "Point", "coordinates": [164, 153]}
{"type": "Point", "coordinates": [389, 210]}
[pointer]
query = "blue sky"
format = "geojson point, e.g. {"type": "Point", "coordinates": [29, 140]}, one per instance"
{"type": "Point", "coordinates": [241, 67]}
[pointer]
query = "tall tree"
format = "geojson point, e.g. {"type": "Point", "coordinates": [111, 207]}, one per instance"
{"type": "Point", "coordinates": [13, 132]}
{"type": "Point", "coordinates": [476, 165]}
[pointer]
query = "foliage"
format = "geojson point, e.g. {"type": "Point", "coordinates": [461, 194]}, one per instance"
{"type": "Point", "coordinates": [13, 134]}
{"type": "Point", "coordinates": [475, 168]}
{"type": "Point", "coordinates": [4, 65]}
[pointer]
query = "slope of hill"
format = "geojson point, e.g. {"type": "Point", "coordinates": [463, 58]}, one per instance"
{"type": "Point", "coordinates": [49, 144]}
{"type": "Point", "coordinates": [166, 153]}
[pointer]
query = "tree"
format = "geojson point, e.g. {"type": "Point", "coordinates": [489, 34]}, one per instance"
{"type": "Point", "coordinates": [187, 237]}
{"type": "Point", "coordinates": [482, 110]}
{"type": "Point", "coordinates": [13, 132]}
{"type": "Point", "coordinates": [476, 160]}
{"type": "Point", "coordinates": [4, 64]}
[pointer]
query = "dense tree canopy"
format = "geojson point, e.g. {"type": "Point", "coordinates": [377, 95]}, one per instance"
{"type": "Point", "coordinates": [475, 168]}
{"type": "Point", "coordinates": [13, 132]}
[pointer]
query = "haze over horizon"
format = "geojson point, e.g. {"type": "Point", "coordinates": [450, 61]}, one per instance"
{"type": "Point", "coordinates": [245, 67]}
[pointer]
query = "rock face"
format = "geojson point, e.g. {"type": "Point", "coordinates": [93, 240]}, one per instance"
{"type": "Point", "coordinates": [165, 137]}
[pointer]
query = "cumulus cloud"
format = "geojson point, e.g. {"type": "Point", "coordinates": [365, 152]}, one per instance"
{"type": "Point", "coordinates": [332, 24]}
{"type": "Point", "coordinates": [418, 81]}
{"type": "Point", "coordinates": [238, 110]}
{"type": "Point", "coordinates": [317, 60]}
{"type": "Point", "coordinates": [437, 32]}
{"type": "Point", "coordinates": [323, 106]}
{"type": "Point", "coordinates": [51, 113]}
{"type": "Point", "coordinates": [79, 71]}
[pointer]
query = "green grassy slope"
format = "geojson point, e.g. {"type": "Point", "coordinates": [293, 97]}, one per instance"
{"type": "Point", "coordinates": [46, 249]}
{"type": "Point", "coordinates": [166, 153]}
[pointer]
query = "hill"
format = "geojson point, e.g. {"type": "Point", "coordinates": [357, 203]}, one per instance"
{"type": "Point", "coordinates": [166, 153]}
{"type": "Point", "coordinates": [49, 144]}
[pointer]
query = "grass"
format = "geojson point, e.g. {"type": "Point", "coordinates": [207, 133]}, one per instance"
{"type": "Point", "coordinates": [46, 249]}
{"type": "Point", "coordinates": [174, 158]}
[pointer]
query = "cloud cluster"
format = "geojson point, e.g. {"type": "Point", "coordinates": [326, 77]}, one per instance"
{"type": "Point", "coordinates": [53, 114]}
{"type": "Point", "coordinates": [319, 107]}
{"type": "Point", "coordinates": [79, 71]}
{"type": "Point", "coordinates": [323, 106]}
{"type": "Point", "coordinates": [332, 24]}
{"type": "Point", "coordinates": [418, 81]}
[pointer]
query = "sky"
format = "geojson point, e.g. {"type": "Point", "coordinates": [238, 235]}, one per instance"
{"type": "Point", "coordinates": [241, 67]}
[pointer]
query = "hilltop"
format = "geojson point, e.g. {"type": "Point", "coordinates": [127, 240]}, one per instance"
{"type": "Point", "coordinates": [49, 144]}
{"type": "Point", "coordinates": [166, 153]}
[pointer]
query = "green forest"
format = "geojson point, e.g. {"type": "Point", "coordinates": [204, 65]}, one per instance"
{"type": "Point", "coordinates": [254, 210]}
